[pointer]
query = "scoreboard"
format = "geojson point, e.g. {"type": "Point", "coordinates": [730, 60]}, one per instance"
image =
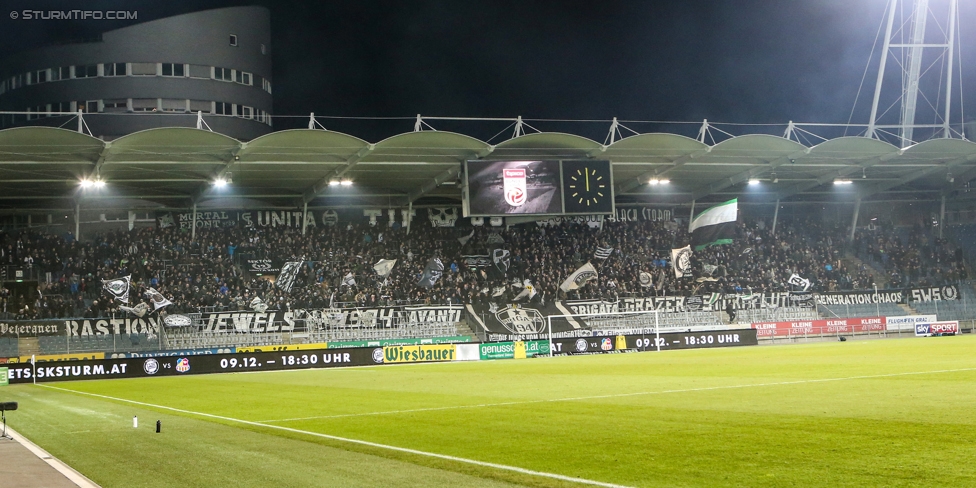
{"type": "Point", "coordinates": [539, 187]}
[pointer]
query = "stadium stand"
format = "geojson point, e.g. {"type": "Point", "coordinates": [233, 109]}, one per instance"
{"type": "Point", "coordinates": [208, 273]}
{"type": "Point", "coordinates": [205, 274]}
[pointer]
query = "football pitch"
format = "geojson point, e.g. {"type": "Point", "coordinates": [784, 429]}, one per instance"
{"type": "Point", "coordinates": [894, 412]}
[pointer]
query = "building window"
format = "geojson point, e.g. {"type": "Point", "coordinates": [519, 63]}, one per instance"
{"type": "Point", "coordinates": [86, 71]}
{"type": "Point", "coordinates": [173, 69]}
{"type": "Point", "coordinates": [91, 106]}
{"type": "Point", "coordinates": [40, 76]}
{"type": "Point", "coordinates": [242, 77]}
{"type": "Point", "coordinates": [143, 104]}
{"type": "Point", "coordinates": [62, 73]}
{"type": "Point", "coordinates": [30, 78]}
{"type": "Point", "coordinates": [3, 87]}
{"type": "Point", "coordinates": [264, 49]}
{"type": "Point", "coordinates": [233, 40]}
{"type": "Point", "coordinates": [113, 69]}
{"type": "Point", "coordinates": [223, 74]}
{"type": "Point", "coordinates": [143, 69]}
{"type": "Point", "coordinates": [247, 112]}
{"type": "Point", "coordinates": [201, 106]}
{"type": "Point", "coordinates": [115, 105]}
{"type": "Point", "coordinates": [223, 108]}
{"type": "Point", "coordinates": [173, 105]}
{"type": "Point", "coordinates": [266, 85]}
{"type": "Point", "coordinates": [199, 71]}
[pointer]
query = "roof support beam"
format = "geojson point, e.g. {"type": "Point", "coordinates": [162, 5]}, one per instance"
{"type": "Point", "coordinates": [746, 175]}
{"type": "Point", "coordinates": [872, 190]}
{"type": "Point", "coordinates": [101, 159]}
{"type": "Point", "coordinates": [831, 176]}
{"type": "Point", "coordinates": [219, 174]}
{"type": "Point", "coordinates": [324, 182]}
{"type": "Point", "coordinates": [643, 177]}
{"type": "Point", "coordinates": [447, 175]}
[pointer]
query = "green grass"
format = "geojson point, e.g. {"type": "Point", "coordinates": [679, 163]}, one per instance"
{"type": "Point", "coordinates": [823, 414]}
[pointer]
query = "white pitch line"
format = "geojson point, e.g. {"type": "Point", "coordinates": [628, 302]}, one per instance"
{"type": "Point", "coordinates": [357, 441]}
{"type": "Point", "coordinates": [616, 395]}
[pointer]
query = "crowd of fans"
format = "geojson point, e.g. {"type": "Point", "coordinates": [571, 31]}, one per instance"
{"type": "Point", "coordinates": [209, 272]}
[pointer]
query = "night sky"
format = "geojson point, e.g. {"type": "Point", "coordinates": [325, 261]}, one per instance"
{"type": "Point", "coordinates": [727, 61]}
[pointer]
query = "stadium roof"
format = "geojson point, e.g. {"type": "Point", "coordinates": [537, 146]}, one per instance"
{"type": "Point", "coordinates": [41, 167]}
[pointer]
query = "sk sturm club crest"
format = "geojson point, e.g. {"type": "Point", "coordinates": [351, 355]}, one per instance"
{"type": "Point", "coordinates": [515, 192]}
{"type": "Point", "coordinates": [521, 320]}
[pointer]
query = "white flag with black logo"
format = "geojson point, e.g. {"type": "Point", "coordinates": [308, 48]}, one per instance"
{"type": "Point", "coordinates": [603, 252]}
{"type": "Point", "coordinates": [579, 278]}
{"type": "Point", "coordinates": [646, 279]}
{"type": "Point", "coordinates": [286, 278]}
{"type": "Point", "coordinates": [157, 299]}
{"type": "Point", "coordinates": [348, 280]}
{"type": "Point", "coordinates": [432, 273]}
{"type": "Point", "coordinates": [796, 280]}
{"type": "Point", "coordinates": [502, 259]}
{"type": "Point", "coordinates": [384, 267]}
{"type": "Point", "coordinates": [258, 305]}
{"type": "Point", "coordinates": [528, 291]}
{"type": "Point", "coordinates": [681, 261]}
{"type": "Point", "coordinates": [118, 288]}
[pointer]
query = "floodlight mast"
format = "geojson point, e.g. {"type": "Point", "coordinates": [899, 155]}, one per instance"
{"type": "Point", "coordinates": [912, 72]}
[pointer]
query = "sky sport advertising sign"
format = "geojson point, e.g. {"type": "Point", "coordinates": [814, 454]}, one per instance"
{"type": "Point", "coordinates": [950, 327]}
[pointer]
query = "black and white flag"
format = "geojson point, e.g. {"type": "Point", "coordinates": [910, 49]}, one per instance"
{"type": "Point", "coordinates": [286, 278]}
{"type": "Point", "coordinates": [432, 273]}
{"type": "Point", "coordinates": [348, 280]}
{"type": "Point", "coordinates": [528, 291]}
{"type": "Point", "coordinates": [796, 280]}
{"type": "Point", "coordinates": [495, 238]}
{"type": "Point", "coordinates": [579, 277]}
{"type": "Point", "coordinates": [502, 259]}
{"type": "Point", "coordinates": [709, 269]}
{"type": "Point", "coordinates": [118, 288]}
{"type": "Point", "coordinates": [384, 267]}
{"type": "Point", "coordinates": [646, 279]}
{"type": "Point", "coordinates": [715, 225]}
{"type": "Point", "coordinates": [603, 252]}
{"type": "Point", "coordinates": [258, 305]}
{"type": "Point", "coordinates": [157, 299]}
{"type": "Point", "coordinates": [681, 261]}
{"type": "Point", "coordinates": [140, 310]}
{"type": "Point", "coordinates": [464, 240]}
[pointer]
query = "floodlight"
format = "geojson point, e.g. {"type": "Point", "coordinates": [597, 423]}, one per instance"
{"type": "Point", "coordinates": [334, 183]}
{"type": "Point", "coordinates": [346, 182]}
{"type": "Point", "coordinates": [220, 183]}
{"type": "Point", "coordinates": [843, 182]}
{"type": "Point", "coordinates": [753, 181]}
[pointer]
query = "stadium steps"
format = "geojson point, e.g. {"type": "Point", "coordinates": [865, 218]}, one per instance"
{"type": "Point", "coordinates": [28, 346]}
{"type": "Point", "coordinates": [463, 329]}
{"type": "Point", "coordinates": [879, 275]}
{"type": "Point", "coordinates": [908, 310]}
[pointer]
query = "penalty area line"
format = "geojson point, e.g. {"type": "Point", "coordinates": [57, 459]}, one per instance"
{"type": "Point", "coordinates": [446, 457]}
